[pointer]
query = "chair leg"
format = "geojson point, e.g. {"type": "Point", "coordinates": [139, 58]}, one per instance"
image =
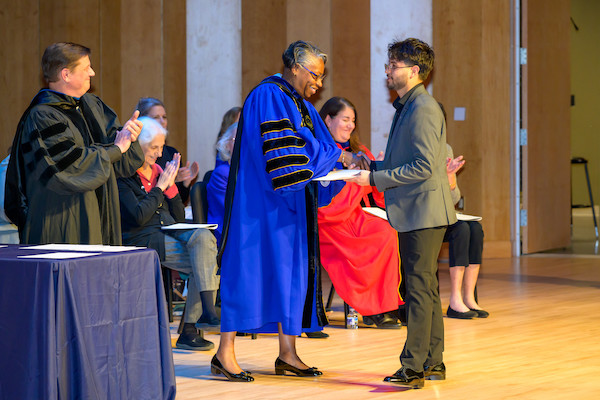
{"type": "Point", "coordinates": [168, 284]}
{"type": "Point", "coordinates": [346, 311]}
{"type": "Point", "coordinates": [180, 327]}
{"type": "Point", "coordinates": [587, 177]}
{"type": "Point", "coordinates": [330, 298]}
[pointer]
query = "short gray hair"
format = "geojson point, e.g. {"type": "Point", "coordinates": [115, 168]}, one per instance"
{"type": "Point", "coordinates": [150, 129]}
{"type": "Point", "coordinates": [301, 52]}
{"type": "Point", "coordinates": [224, 153]}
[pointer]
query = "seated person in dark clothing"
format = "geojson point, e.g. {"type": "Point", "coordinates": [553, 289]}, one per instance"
{"type": "Point", "coordinates": [155, 109]}
{"type": "Point", "coordinates": [465, 239]}
{"type": "Point", "coordinates": [150, 200]}
{"type": "Point", "coordinates": [217, 184]}
{"type": "Point", "coordinates": [230, 117]}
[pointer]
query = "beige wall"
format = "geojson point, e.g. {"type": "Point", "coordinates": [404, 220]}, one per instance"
{"type": "Point", "coordinates": [585, 85]}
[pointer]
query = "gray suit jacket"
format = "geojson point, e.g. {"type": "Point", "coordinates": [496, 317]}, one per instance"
{"type": "Point", "coordinates": [413, 172]}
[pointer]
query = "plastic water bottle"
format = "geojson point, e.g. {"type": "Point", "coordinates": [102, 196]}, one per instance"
{"type": "Point", "coordinates": [352, 319]}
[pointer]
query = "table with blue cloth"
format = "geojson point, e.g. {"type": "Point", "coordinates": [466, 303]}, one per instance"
{"type": "Point", "coordinates": [92, 327]}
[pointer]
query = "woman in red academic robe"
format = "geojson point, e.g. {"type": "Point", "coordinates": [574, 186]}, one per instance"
{"type": "Point", "coordinates": [358, 250]}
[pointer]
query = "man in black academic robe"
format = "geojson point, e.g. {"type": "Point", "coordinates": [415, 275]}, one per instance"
{"type": "Point", "coordinates": [68, 151]}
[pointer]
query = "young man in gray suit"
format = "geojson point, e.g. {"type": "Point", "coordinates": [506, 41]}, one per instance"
{"type": "Point", "coordinates": [417, 197]}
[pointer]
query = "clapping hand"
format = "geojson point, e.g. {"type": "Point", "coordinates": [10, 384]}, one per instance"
{"type": "Point", "coordinates": [188, 173]}
{"type": "Point", "coordinates": [167, 178]}
{"type": "Point", "coordinates": [130, 132]}
{"type": "Point", "coordinates": [453, 165]}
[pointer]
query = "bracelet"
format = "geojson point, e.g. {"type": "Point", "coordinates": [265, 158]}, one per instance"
{"type": "Point", "coordinates": [342, 156]}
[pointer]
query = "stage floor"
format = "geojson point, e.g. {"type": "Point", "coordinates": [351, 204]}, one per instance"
{"type": "Point", "coordinates": [541, 341]}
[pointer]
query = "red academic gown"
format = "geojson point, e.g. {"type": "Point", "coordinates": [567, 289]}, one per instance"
{"type": "Point", "coordinates": [360, 251]}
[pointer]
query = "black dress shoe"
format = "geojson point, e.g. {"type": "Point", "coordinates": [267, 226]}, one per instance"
{"type": "Point", "coordinates": [316, 335]}
{"type": "Point", "coordinates": [193, 342]}
{"type": "Point", "coordinates": [381, 321]}
{"type": "Point", "coordinates": [407, 377]}
{"type": "Point", "coordinates": [481, 313]}
{"type": "Point", "coordinates": [460, 315]}
{"type": "Point", "coordinates": [281, 366]}
{"type": "Point", "coordinates": [435, 372]}
{"type": "Point", "coordinates": [217, 368]}
{"type": "Point", "coordinates": [208, 323]}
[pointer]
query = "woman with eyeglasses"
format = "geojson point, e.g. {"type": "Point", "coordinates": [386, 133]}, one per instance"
{"type": "Point", "coordinates": [269, 254]}
{"type": "Point", "coordinates": [358, 250]}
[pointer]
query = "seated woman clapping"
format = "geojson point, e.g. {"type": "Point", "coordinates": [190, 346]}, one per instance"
{"type": "Point", "coordinates": [150, 200]}
{"type": "Point", "coordinates": [358, 250]}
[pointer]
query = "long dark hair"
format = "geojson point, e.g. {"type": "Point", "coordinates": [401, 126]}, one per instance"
{"type": "Point", "coordinates": [332, 107]}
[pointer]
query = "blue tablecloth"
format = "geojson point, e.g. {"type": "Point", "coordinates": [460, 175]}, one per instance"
{"type": "Point", "coordinates": [86, 328]}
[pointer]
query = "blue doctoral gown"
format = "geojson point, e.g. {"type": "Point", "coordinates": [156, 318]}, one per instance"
{"type": "Point", "coordinates": [265, 255]}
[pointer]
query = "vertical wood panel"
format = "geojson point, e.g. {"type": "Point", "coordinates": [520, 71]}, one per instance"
{"type": "Point", "coordinates": [110, 60]}
{"type": "Point", "coordinates": [305, 23]}
{"type": "Point", "coordinates": [546, 166]}
{"type": "Point", "coordinates": [350, 54]}
{"type": "Point", "coordinates": [141, 52]}
{"type": "Point", "coordinates": [174, 67]}
{"type": "Point", "coordinates": [496, 118]}
{"type": "Point", "coordinates": [68, 21]}
{"type": "Point", "coordinates": [263, 40]}
{"type": "Point", "coordinates": [472, 70]}
{"type": "Point", "coordinates": [20, 74]}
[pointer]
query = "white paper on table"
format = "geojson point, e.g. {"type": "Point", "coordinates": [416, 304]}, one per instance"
{"type": "Point", "coordinates": [82, 247]}
{"type": "Point", "coordinates": [339, 175]}
{"type": "Point", "coordinates": [378, 212]}
{"type": "Point", "coordinates": [185, 225]}
{"type": "Point", "coordinates": [467, 217]}
{"type": "Point", "coordinates": [60, 255]}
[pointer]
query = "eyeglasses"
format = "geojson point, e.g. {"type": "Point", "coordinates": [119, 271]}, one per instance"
{"type": "Point", "coordinates": [314, 76]}
{"type": "Point", "coordinates": [395, 67]}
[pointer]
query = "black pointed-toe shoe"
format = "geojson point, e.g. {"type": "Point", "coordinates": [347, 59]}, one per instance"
{"type": "Point", "coordinates": [281, 366]}
{"type": "Point", "coordinates": [217, 368]}
{"type": "Point", "coordinates": [435, 372]}
{"type": "Point", "coordinates": [460, 315]}
{"type": "Point", "coordinates": [481, 313]}
{"type": "Point", "coordinates": [407, 377]}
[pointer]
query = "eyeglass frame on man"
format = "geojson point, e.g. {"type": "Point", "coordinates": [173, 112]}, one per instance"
{"type": "Point", "coordinates": [395, 67]}
{"type": "Point", "coordinates": [313, 75]}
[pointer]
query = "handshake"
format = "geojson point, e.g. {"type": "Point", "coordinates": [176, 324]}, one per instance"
{"type": "Point", "coordinates": [357, 160]}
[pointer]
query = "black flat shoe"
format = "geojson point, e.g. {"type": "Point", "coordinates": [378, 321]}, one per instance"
{"type": "Point", "coordinates": [381, 321]}
{"type": "Point", "coordinates": [460, 315]}
{"type": "Point", "coordinates": [281, 366]}
{"type": "Point", "coordinates": [217, 368]}
{"type": "Point", "coordinates": [407, 377]}
{"type": "Point", "coordinates": [481, 313]}
{"type": "Point", "coordinates": [435, 372]}
{"type": "Point", "coordinates": [316, 335]}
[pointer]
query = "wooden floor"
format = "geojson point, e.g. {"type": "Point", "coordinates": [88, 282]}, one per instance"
{"type": "Point", "coordinates": [541, 341]}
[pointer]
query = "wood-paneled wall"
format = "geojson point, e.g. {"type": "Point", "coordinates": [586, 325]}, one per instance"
{"type": "Point", "coordinates": [339, 28]}
{"type": "Point", "coordinates": [472, 42]}
{"type": "Point", "coordinates": [138, 49]}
